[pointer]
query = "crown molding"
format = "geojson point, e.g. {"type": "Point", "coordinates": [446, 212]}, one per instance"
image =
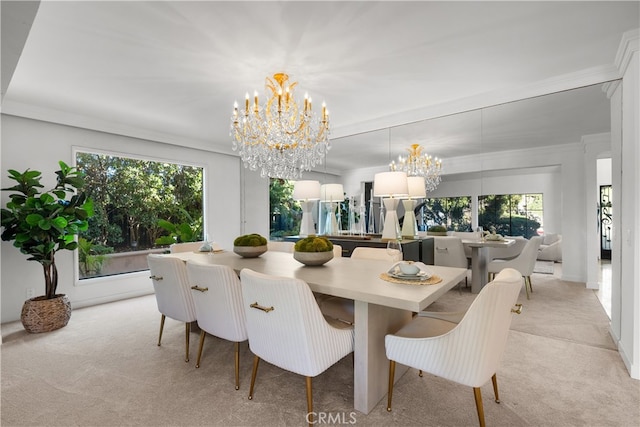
{"type": "Point", "coordinates": [628, 46]}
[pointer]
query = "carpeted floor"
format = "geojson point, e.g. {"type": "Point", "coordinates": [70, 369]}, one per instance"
{"type": "Point", "coordinates": [104, 369]}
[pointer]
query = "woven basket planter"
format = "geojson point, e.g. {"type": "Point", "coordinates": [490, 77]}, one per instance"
{"type": "Point", "coordinates": [45, 315]}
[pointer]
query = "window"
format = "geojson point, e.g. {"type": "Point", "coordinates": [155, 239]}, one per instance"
{"type": "Point", "coordinates": [285, 213]}
{"type": "Point", "coordinates": [451, 212]}
{"type": "Point", "coordinates": [130, 196]}
{"type": "Point", "coordinates": [511, 214]}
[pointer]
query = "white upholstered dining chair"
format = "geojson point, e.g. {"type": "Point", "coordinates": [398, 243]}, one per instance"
{"type": "Point", "coordinates": [217, 295]}
{"type": "Point", "coordinates": [524, 263]}
{"type": "Point", "coordinates": [287, 329]}
{"type": "Point", "coordinates": [468, 352]}
{"type": "Point", "coordinates": [173, 296]}
{"type": "Point", "coordinates": [448, 251]}
{"type": "Point", "coordinates": [363, 252]}
{"type": "Point", "coordinates": [280, 246]}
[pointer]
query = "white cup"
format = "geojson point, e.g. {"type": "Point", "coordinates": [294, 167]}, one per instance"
{"type": "Point", "coordinates": [409, 268]}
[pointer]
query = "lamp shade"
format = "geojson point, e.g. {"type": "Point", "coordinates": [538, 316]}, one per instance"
{"type": "Point", "coordinates": [416, 187]}
{"type": "Point", "coordinates": [390, 184]}
{"type": "Point", "coordinates": [306, 190]}
{"type": "Point", "coordinates": [331, 193]}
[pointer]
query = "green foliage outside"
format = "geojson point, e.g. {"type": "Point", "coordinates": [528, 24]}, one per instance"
{"type": "Point", "coordinates": [285, 213]}
{"type": "Point", "coordinates": [453, 213]}
{"type": "Point", "coordinates": [131, 197]}
{"type": "Point", "coordinates": [190, 231]}
{"type": "Point", "coordinates": [91, 257]}
{"type": "Point", "coordinates": [250, 240]}
{"type": "Point", "coordinates": [314, 244]}
{"type": "Point", "coordinates": [511, 214]}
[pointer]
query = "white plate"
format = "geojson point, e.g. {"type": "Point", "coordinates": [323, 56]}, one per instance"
{"type": "Point", "coordinates": [420, 276]}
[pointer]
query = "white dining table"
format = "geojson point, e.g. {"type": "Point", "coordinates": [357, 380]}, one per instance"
{"type": "Point", "coordinates": [381, 307]}
{"type": "Point", "coordinates": [480, 259]}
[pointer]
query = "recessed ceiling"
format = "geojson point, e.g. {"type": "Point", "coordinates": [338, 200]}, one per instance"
{"type": "Point", "coordinates": [170, 71]}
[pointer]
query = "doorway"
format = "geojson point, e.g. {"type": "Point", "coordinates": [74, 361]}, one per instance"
{"type": "Point", "coordinates": [606, 222]}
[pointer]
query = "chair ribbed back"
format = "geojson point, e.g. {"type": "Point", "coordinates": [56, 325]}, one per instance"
{"type": "Point", "coordinates": [294, 335]}
{"type": "Point", "coordinates": [280, 246]}
{"type": "Point", "coordinates": [171, 287]}
{"type": "Point", "coordinates": [364, 252]}
{"type": "Point", "coordinates": [218, 302]}
{"type": "Point", "coordinates": [470, 353]}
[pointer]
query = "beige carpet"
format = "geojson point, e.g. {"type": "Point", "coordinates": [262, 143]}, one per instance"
{"type": "Point", "coordinates": [104, 369]}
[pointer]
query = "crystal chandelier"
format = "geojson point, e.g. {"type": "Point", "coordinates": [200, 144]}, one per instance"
{"type": "Point", "coordinates": [281, 138]}
{"type": "Point", "coordinates": [419, 164]}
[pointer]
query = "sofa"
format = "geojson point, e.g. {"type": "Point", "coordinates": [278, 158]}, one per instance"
{"type": "Point", "coordinates": [551, 248]}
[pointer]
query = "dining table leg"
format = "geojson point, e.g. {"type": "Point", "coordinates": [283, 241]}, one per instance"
{"type": "Point", "coordinates": [371, 366]}
{"type": "Point", "coordinates": [479, 261]}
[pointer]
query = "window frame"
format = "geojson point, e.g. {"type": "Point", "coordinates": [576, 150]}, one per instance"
{"type": "Point", "coordinates": [77, 280]}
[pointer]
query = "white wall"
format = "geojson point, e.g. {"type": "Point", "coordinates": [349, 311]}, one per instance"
{"type": "Point", "coordinates": [39, 145]}
{"type": "Point", "coordinates": [628, 227]}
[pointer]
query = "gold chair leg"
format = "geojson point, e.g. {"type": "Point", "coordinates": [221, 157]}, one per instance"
{"type": "Point", "coordinates": [309, 402]}
{"type": "Point", "coordinates": [187, 330]}
{"type": "Point", "coordinates": [202, 335]}
{"type": "Point", "coordinates": [161, 328]}
{"type": "Point", "coordinates": [256, 361]}
{"type": "Point", "coordinates": [392, 373]}
{"type": "Point", "coordinates": [478, 395]}
{"type": "Point", "coordinates": [530, 287]}
{"type": "Point", "coordinates": [237, 362]}
{"type": "Point", "coordinates": [526, 287]}
{"type": "Point", "coordinates": [494, 380]}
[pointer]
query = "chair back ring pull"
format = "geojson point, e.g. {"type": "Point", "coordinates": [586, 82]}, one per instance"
{"type": "Point", "coordinates": [154, 277]}
{"type": "Point", "coordinates": [518, 309]}
{"type": "Point", "coordinates": [259, 307]}
{"type": "Point", "coordinates": [198, 288]}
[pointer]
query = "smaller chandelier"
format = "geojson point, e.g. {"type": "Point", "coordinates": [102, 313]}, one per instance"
{"type": "Point", "coordinates": [281, 138]}
{"type": "Point", "coordinates": [419, 164]}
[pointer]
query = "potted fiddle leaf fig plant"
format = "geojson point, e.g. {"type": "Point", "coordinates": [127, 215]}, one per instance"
{"type": "Point", "coordinates": [41, 224]}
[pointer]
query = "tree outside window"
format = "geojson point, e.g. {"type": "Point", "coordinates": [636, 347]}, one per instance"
{"type": "Point", "coordinates": [130, 197]}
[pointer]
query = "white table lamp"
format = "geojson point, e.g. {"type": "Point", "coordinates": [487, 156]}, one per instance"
{"type": "Point", "coordinates": [391, 186]}
{"type": "Point", "coordinates": [331, 193]}
{"type": "Point", "coordinates": [306, 192]}
{"type": "Point", "coordinates": [416, 191]}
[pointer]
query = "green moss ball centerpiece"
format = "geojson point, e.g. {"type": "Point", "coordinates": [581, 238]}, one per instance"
{"type": "Point", "coordinates": [313, 250]}
{"type": "Point", "coordinates": [250, 245]}
{"type": "Point", "coordinates": [437, 230]}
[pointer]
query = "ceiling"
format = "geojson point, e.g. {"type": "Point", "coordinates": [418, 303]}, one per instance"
{"type": "Point", "coordinates": [171, 71]}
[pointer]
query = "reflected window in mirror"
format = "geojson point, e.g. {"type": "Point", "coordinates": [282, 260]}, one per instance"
{"type": "Point", "coordinates": [454, 213]}
{"type": "Point", "coordinates": [512, 214]}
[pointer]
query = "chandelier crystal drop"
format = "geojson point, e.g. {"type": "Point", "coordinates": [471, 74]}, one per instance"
{"type": "Point", "coordinates": [281, 137]}
{"type": "Point", "coordinates": [418, 163]}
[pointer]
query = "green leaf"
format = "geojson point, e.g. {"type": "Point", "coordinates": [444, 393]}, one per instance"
{"type": "Point", "coordinates": [34, 219]}
{"type": "Point", "coordinates": [47, 198]}
{"type": "Point", "coordinates": [45, 224]}
{"type": "Point", "coordinates": [59, 222]}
